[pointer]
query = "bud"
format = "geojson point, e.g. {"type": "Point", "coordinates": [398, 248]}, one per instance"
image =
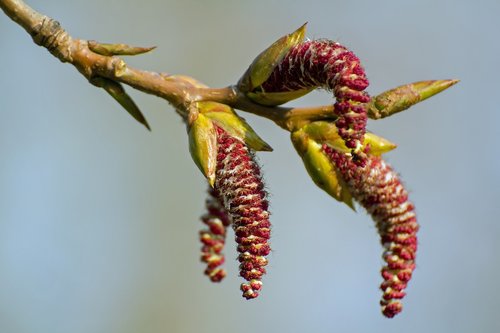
{"type": "Point", "coordinates": [117, 49]}
{"type": "Point", "coordinates": [262, 67]}
{"type": "Point", "coordinates": [402, 97]}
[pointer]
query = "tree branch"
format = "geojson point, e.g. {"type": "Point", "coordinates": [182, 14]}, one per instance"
{"type": "Point", "coordinates": [178, 90]}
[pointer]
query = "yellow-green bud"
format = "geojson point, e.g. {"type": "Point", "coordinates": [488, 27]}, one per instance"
{"type": "Point", "coordinates": [117, 49]}
{"type": "Point", "coordinates": [402, 97]}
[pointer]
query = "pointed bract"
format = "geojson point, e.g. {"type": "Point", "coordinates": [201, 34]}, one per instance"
{"type": "Point", "coordinates": [320, 168]}
{"type": "Point", "coordinates": [377, 144]}
{"type": "Point", "coordinates": [325, 132]}
{"type": "Point", "coordinates": [225, 117]}
{"type": "Point", "coordinates": [402, 97]}
{"type": "Point", "coordinates": [262, 67]}
{"type": "Point", "coordinates": [115, 90]}
{"type": "Point", "coordinates": [203, 146]}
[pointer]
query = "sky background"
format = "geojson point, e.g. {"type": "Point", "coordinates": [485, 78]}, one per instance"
{"type": "Point", "coordinates": [99, 218]}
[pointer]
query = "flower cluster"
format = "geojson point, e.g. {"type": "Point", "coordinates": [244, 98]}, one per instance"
{"type": "Point", "coordinates": [341, 157]}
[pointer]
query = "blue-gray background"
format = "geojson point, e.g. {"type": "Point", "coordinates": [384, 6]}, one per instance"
{"type": "Point", "coordinates": [99, 218]}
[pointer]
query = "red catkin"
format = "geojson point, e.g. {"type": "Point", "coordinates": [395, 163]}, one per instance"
{"type": "Point", "coordinates": [329, 65]}
{"type": "Point", "coordinates": [214, 237]}
{"type": "Point", "coordinates": [380, 191]}
{"type": "Point", "coordinates": [241, 190]}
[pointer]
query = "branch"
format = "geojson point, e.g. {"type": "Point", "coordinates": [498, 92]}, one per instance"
{"type": "Point", "coordinates": [100, 65]}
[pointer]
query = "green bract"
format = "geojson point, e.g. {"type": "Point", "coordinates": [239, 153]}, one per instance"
{"type": "Point", "coordinates": [262, 67]}
{"type": "Point", "coordinates": [327, 133]}
{"type": "Point", "coordinates": [320, 168]}
{"type": "Point", "coordinates": [203, 146]}
{"type": "Point", "coordinates": [309, 141]}
{"type": "Point", "coordinates": [203, 119]}
{"type": "Point", "coordinates": [224, 116]}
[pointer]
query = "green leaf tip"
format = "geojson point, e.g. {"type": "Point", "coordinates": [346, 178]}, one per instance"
{"type": "Point", "coordinates": [403, 97]}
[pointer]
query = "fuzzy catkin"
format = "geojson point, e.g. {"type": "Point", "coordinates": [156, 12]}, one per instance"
{"type": "Point", "coordinates": [380, 191]}
{"type": "Point", "coordinates": [214, 237]}
{"type": "Point", "coordinates": [239, 184]}
{"type": "Point", "coordinates": [329, 65]}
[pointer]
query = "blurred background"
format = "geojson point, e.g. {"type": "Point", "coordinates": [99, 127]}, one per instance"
{"type": "Point", "coordinates": [99, 218]}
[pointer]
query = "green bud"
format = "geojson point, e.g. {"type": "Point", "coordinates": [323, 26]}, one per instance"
{"type": "Point", "coordinates": [117, 49]}
{"type": "Point", "coordinates": [203, 144]}
{"type": "Point", "coordinates": [262, 67]}
{"type": "Point", "coordinates": [277, 98]}
{"type": "Point", "coordinates": [320, 168]}
{"type": "Point", "coordinates": [224, 116]}
{"type": "Point", "coordinates": [402, 97]}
